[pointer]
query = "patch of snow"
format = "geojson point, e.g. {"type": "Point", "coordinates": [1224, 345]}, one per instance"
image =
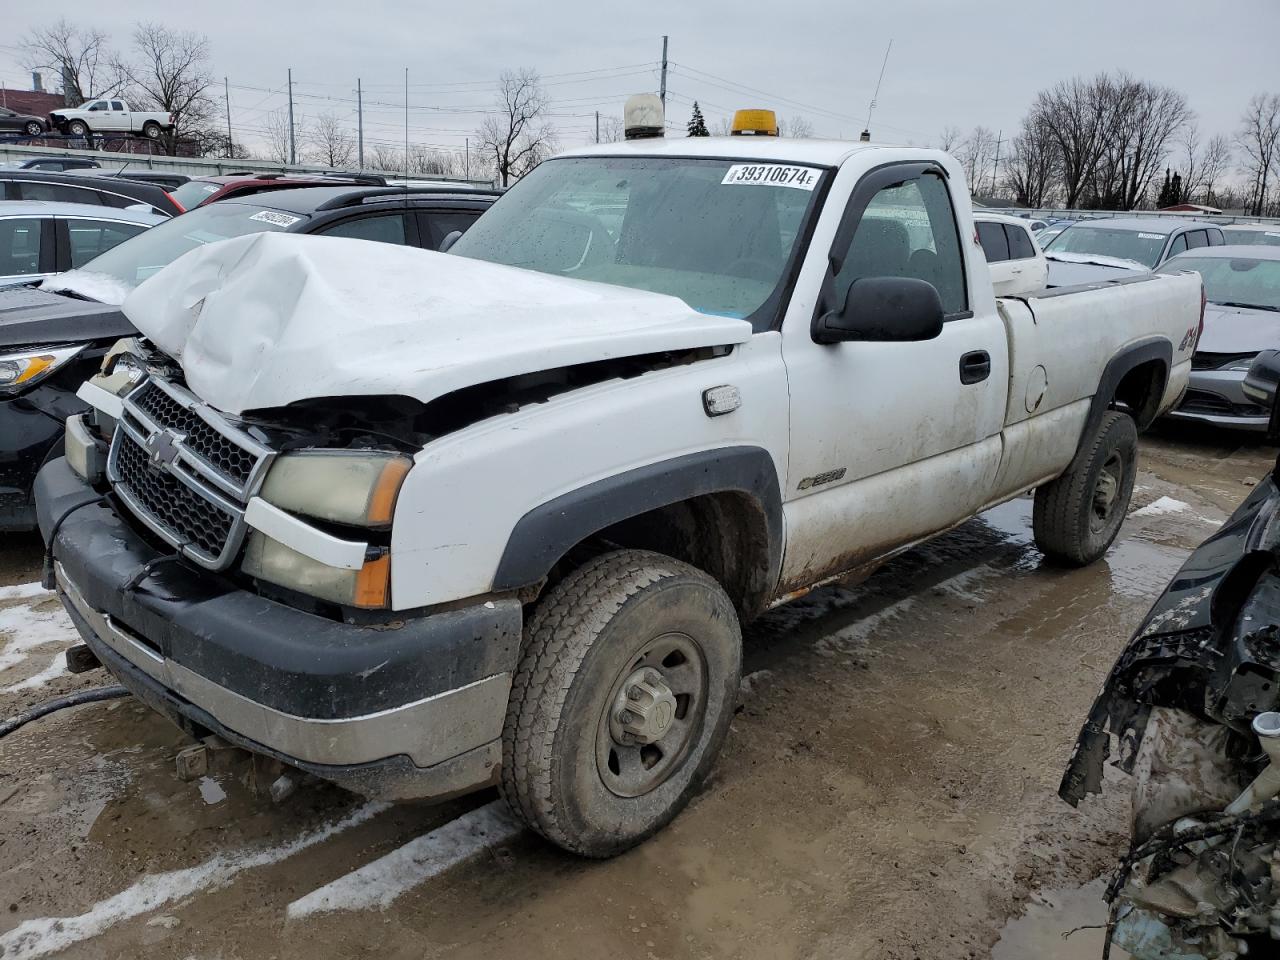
{"type": "Point", "coordinates": [211, 791]}
{"type": "Point", "coordinates": [859, 633]}
{"type": "Point", "coordinates": [56, 668]}
{"type": "Point", "coordinates": [96, 286]}
{"type": "Point", "coordinates": [1162, 507]}
{"type": "Point", "coordinates": [41, 936]}
{"type": "Point", "coordinates": [27, 628]}
{"type": "Point", "coordinates": [24, 591]}
{"type": "Point", "coordinates": [379, 883]}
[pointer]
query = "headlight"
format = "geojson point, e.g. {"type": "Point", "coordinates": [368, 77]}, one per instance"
{"type": "Point", "coordinates": [358, 488]}
{"type": "Point", "coordinates": [270, 560]}
{"type": "Point", "coordinates": [1243, 363]}
{"type": "Point", "coordinates": [18, 371]}
{"type": "Point", "coordinates": [122, 368]}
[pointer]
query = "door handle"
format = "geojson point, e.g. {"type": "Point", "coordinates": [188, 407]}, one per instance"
{"type": "Point", "coordinates": [975, 366]}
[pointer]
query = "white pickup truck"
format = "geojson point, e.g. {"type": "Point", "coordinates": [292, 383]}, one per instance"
{"type": "Point", "coordinates": [420, 522]}
{"type": "Point", "coordinates": [111, 116]}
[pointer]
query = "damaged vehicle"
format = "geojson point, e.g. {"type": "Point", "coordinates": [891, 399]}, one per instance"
{"type": "Point", "coordinates": [418, 523]}
{"type": "Point", "coordinates": [1193, 705]}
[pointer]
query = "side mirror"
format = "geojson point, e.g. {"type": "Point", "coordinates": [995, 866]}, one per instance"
{"type": "Point", "coordinates": [449, 240]}
{"type": "Point", "coordinates": [1262, 384]}
{"type": "Point", "coordinates": [884, 310]}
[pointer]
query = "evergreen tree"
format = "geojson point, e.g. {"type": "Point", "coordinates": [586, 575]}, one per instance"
{"type": "Point", "coordinates": [697, 125]}
{"type": "Point", "coordinates": [1162, 198]}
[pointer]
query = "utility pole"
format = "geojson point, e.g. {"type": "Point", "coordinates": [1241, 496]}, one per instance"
{"type": "Point", "coordinates": [406, 123]}
{"type": "Point", "coordinates": [662, 92]}
{"type": "Point", "coordinates": [226, 88]}
{"type": "Point", "coordinates": [597, 126]}
{"type": "Point", "coordinates": [995, 167]}
{"type": "Point", "coordinates": [360, 122]}
{"type": "Point", "coordinates": [293, 147]}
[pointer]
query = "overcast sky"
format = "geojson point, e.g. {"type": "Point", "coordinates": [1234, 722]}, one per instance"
{"type": "Point", "coordinates": [953, 63]}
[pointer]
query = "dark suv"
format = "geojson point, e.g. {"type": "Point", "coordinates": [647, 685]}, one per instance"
{"type": "Point", "coordinates": [52, 338]}
{"type": "Point", "coordinates": [84, 188]}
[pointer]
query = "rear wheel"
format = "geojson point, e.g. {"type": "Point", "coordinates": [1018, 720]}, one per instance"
{"type": "Point", "coordinates": [151, 130]}
{"type": "Point", "coordinates": [621, 702]}
{"type": "Point", "coordinates": [77, 128]}
{"type": "Point", "coordinates": [1077, 516]}
{"type": "Point", "coordinates": [33, 128]}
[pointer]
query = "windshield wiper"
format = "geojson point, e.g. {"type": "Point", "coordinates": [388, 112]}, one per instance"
{"type": "Point", "coordinates": [1247, 306]}
{"type": "Point", "coordinates": [64, 292]}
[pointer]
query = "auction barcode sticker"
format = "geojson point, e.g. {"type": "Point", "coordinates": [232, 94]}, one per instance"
{"type": "Point", "coordinates": [1151, 236]}
{"type": "Point", "coordinates": [279, 219]}
{"type": "Point", "coordinates": [772, 175]}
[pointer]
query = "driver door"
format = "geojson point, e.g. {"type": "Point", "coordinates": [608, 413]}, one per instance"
{"type": "Point", "coordinates": [891, 441]}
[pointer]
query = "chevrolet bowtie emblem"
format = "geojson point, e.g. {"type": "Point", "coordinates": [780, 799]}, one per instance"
{"type": "Point", "coordinates": [162, 447]}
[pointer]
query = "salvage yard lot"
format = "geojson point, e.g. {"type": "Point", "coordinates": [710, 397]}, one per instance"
{"type": "Point", "coordinates": [887, 790]}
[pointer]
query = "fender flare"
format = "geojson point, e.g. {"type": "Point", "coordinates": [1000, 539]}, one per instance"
{"type": "Point", "coordinates": [547, 532]}
{"type": "Point", "coordinates": [1144, 351]}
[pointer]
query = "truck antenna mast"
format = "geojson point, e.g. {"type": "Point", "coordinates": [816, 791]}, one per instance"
{"type": "Point", "coordinates": [866, 132]}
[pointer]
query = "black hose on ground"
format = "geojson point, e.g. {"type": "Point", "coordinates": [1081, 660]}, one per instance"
{"type": "Point", "coordinates": [61, 703]}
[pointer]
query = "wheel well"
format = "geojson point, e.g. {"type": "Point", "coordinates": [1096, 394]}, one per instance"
{"type": "Point", "coordinates": [1140, 391]}
{"type": "Point", "coordinates": [724, 534]}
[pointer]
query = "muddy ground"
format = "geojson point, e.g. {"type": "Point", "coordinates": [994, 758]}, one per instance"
{"type": "Point", "coordinates": [887, 791]}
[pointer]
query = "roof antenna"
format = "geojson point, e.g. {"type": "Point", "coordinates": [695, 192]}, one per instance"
{"type": "Point", "coordinates": [865, 137]}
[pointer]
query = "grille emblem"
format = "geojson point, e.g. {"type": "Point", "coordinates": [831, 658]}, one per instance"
{"type": "Point", "coordinates": [162, 447]}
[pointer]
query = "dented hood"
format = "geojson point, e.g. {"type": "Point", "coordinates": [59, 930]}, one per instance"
{"type": "Point", "coordinates": [269, 319]}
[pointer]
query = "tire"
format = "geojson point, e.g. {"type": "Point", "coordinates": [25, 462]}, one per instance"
{"type": "Point", "coordinates": [151, 130]}
{"type": "Point", "coordinates": [33, 128]}
{"type": "Point", "coordinates": [569, 769]}
{"type": "Point", "coordinates": [1078, 515]}
{"type": "Point", "coordinates": [77, 128]}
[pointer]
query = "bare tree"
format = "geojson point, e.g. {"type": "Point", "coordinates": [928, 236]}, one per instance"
{"type": "Point", "coordinates": [169, 71]}
{"type": "Point", "coordinates": [1032, 170]}
{"type": "Point", "coordinates": [1141, 123]}
{"type": "Point", "coordinates": [798, 127]}
{"type": "Point", "coordinates": [1215, 161]}
{"type": "Point", "coordinates": [77, 56]}
{"type": "Point", "coordinates": [331, 142]}
{"type": "Point", "coordinates": [1259, 140]}
{"type": "Point", "coordinates": [1074, 117]}
{"type": "Point", "coordinates": [1202, 165]}
{"type": "Point", "coordinates": [518, 135]}
{"type": "Point", "coordinates": [275, 133]}
{"type": "Point", "coordinates": [612, 130]}
{"type": "Point", "coordinates": [976, 154]}
{"type": "Point", "coordinates": [383, 156]}
{"type": "Point", "coordinates": [723, 127]}
{"type": "Point", "coordinates": [950, 139]}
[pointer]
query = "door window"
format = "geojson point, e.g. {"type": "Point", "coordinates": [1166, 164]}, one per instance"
{"type": "Point", "coordinates": [909, 230]}
{"type": "Point", "coordinates": [438, 225]}
{"type": "Point", "coordinates": [117, 105]}
{"type": "Point", "coordinates": [1215, 237]}
{"type": "Point", "coordinates": [100, 105]}
{"type": "Point", "coordinates": [995, 243]}
{"type": "Point", "coordinates": [1020, 245]}
{"type": "Point", "coordinates": [59, 192]}
{"type": "Point", "coordinates": [1179, 245]}
{"type": "Point", "coordinates": [1196, 239]}
{"type": "Point", "coordinates": [387, 228]}
{"type": "Point", "coordinates": [88, 238]}
{"type": "Point", "coordinates": [20, 245]}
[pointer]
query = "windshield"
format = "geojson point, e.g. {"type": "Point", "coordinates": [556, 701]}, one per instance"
{"type": "Point", "coordinates": [1141, 245]}
{"type": "Point", "coordinates": [1268, 237]}
{"type": "Point", "coordinates": [715, 233]}
{"type": "Point", "coordinates": [134, 260]}
{"type": "Point", "coordinates": [194, 192]}
{"type": "Point", "coordinates": [1237, 281]}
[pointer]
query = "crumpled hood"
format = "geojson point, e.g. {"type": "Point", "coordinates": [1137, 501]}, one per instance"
{"type": "Point", "coordinates": [1239, 330]}
{"type": "Point", "coordinates": [269, 319]}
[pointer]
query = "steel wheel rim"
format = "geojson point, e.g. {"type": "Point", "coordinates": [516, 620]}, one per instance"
{"type": "Point", "coordinates": [632, 769]}
{"type": "Point", "coordinates": [1106, 492]}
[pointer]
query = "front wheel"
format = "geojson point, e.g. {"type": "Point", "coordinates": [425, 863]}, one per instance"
{"type": "Point", "coordinates": [1077, 516]}
{"type": "Point", "coordinates": [78, 128]}
{"type": "Point", "coordinates": [621, 702]}
{"type": "Point", "coordinates": [33, 128]}
{"type": "Point", "coordinates": [151, 130]}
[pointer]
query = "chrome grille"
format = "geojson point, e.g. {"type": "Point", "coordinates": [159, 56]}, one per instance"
{"type": "Point", "coordinates": [185, 471]}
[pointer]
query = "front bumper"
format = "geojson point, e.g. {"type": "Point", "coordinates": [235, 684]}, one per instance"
{"type": "Point", "coordinates": [1217, 397]}
{"type": "Point", "coordinates": [410, 708]}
